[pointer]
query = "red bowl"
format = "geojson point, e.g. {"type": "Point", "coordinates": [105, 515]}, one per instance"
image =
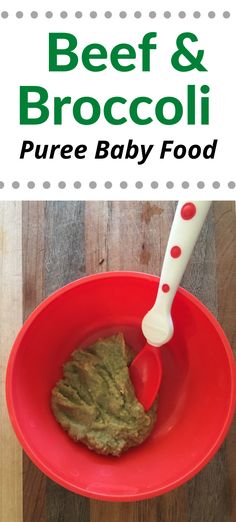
{"type": "Point", "coordinates": [196, 400]}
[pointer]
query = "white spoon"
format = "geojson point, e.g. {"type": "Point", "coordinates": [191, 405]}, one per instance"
{"type": "Point", "coordinates": [157, 325]}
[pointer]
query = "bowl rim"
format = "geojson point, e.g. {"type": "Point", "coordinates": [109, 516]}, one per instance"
{"type": "Point", "coordinates": [106, 496]}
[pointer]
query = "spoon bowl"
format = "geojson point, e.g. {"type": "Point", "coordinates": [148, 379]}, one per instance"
{"type": "Point", "coordinates": [146, 374]}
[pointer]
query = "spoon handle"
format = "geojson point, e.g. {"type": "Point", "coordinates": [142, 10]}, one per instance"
{"type": "Point", "coordinates": [187, 224]}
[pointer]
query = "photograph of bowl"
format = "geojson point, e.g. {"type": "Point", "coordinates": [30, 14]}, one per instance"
{"type": "Point", "coordinates": [196, 400]}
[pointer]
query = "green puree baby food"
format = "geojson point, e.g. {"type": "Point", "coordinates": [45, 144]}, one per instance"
{"type": "Point", "coordinates": [95, 401]}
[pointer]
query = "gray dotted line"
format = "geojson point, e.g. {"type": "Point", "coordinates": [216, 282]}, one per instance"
{"type": "Point", "coordinates": [200, 185]}
{"type": "Point", "coordinates": [15, 184]}
{"type": "Point", "coordinates": [62, 184]}
{"type": "Point", "coordinates": [154, 185]}
{"type": "Point", "coordinates": [122, 14]}
{"type": "Point", "coordinates": [123, 185]}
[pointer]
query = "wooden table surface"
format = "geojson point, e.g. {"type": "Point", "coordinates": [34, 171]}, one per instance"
{"type": "Point", "coordinates": [45, 245]}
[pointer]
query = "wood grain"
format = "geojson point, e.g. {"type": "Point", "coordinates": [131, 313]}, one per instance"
{"type": "Point", "coordinates": [64, 262]}
{"type": "Point", "coordinates": [225, 224]}
{"type": "Point", "coordinates": [66, 240]}
{"type": "Point", "coordinates": [32, 255]}
{"type": "Point", "coordinates": [133, 236]}
{"type": "Point", "coordinates": [126, 236]}
{"type": "Point", "coordinates": [200, 276]}
{"type": "Point", "coordinates": [11, 320]}
{"type": "Point", "coordinates": [64, 243]}
{"type": "Point", "coordinates": [145, 511]}
{"type": "Point", "coordinates": [34, 482]}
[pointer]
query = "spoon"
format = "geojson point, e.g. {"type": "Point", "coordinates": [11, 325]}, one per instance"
{"type": "Point", "coordinates": [157, 324]}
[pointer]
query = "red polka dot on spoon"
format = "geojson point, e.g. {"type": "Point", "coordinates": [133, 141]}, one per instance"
{"type": "Point", "coordinates": [175, 252]}
{"type": "Point", "coordinates": [165, 288]}
{"type": "Point", "coordinates": [188, 211]}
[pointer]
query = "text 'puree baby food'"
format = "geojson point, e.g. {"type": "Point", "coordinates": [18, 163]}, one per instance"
{"type": "Point", "coordinates": [95, 401]}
